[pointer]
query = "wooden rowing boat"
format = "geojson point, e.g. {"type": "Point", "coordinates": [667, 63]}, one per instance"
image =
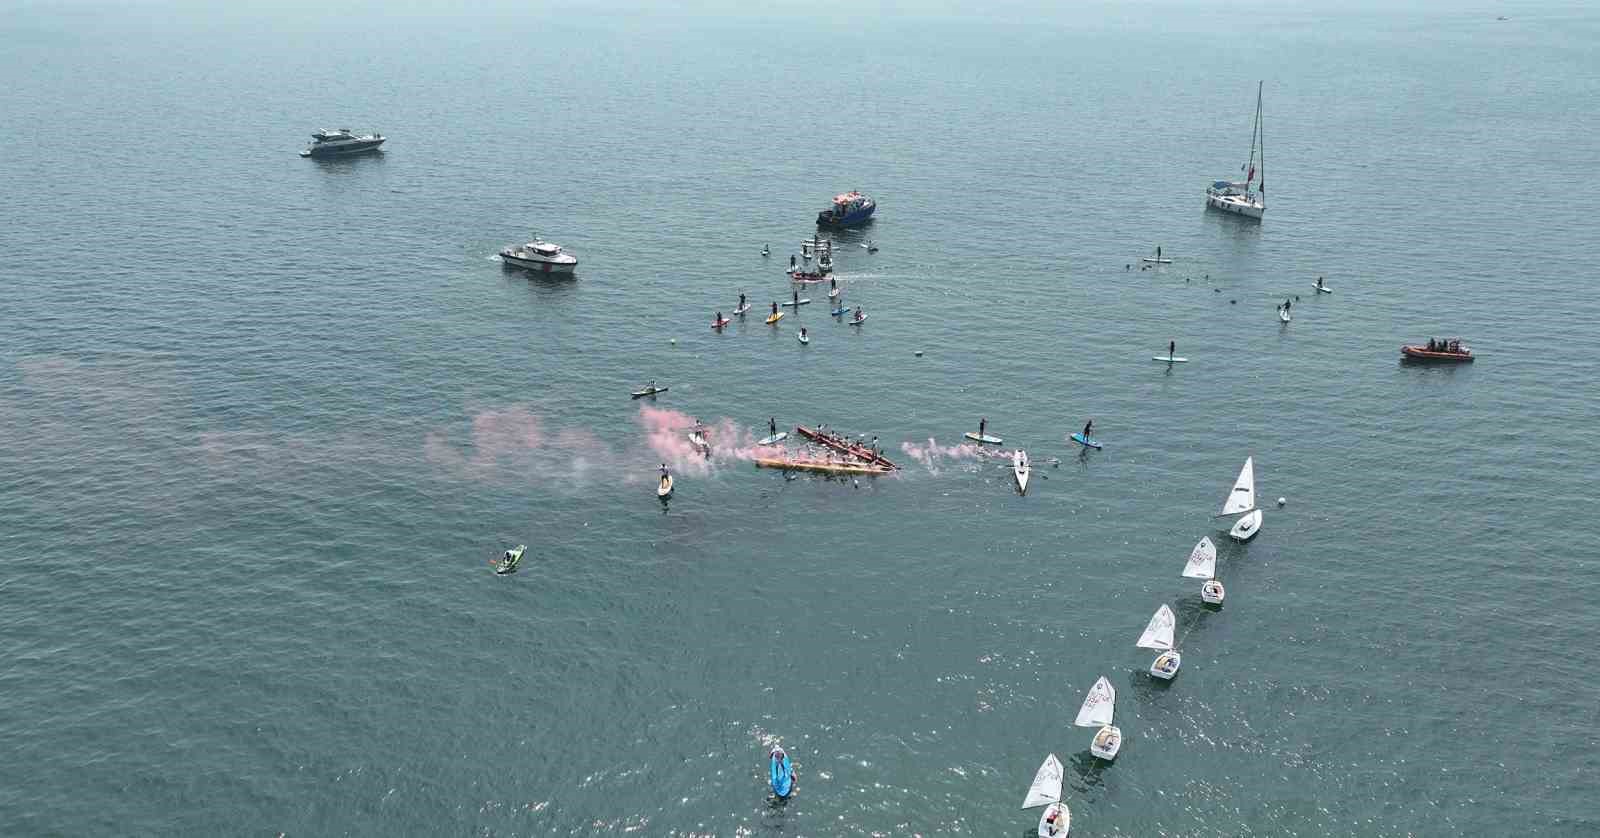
{"type": "Point", "coordinates": [860, 452]}
{"type": "Point", "coordinates": [788, 464]}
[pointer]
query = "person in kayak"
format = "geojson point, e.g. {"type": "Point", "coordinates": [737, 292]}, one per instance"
{"type": "Point", "coordinates": [1088, 428]}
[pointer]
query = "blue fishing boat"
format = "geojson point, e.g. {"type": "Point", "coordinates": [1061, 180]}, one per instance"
{"type": "Point", "coordinates": [848, 209]}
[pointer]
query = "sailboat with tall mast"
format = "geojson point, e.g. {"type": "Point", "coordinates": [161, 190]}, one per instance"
{"type": "Point", "coordinates": [1249, 197]}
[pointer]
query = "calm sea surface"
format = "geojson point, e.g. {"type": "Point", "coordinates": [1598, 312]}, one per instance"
{"type": "Point", "coordinates": [264, 421]}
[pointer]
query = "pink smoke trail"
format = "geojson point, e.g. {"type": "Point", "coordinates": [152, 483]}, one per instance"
{"type": "Point", "coordinates": [932, 455]}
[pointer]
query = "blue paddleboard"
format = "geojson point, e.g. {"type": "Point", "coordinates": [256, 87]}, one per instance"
{"type": "Point", "coordinates": [1084, 440]}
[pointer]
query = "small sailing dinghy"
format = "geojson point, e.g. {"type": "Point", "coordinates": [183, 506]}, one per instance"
{"type": "Point", "coordinates": [1242, 501]}
{"type": "Point", "coordinates": [1056, 820]}
{"type": "Point", "coordinates": [1158, 636]}
{"type": "Point", "coordinates": [510, 560]}
{"type": "Point", "coordinates": [1098, 709]}
{"type": "Point", "coordinates": [1020, 468]}
{"type": "Point", "coordinates": [1202, 564]}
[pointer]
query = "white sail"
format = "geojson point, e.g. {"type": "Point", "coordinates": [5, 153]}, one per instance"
{"type": "Point", "coordinates": [1243, 496]}
{"type": "Point", "coordinates": [1046, 786]}
{"type": "Point", "coordinates": [1099, 707]}
{"type": "Point", "coordinates": [1158, 635]}
{"type": "Point", "coordinates": [1203, 561]}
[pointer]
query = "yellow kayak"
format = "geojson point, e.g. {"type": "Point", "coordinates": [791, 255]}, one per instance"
{"type": "Point", "coordinates": [773, 318]}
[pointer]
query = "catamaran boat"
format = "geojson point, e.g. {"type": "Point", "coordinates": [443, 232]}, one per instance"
{"type": "Point", "coordinates": [1247, 198]}
{"type": "Point", "coordinates": [540, 255]}
{"type": "Point", "coordinates": [848, 209]}
{"type": "Point", "coordinates": [339, 142]}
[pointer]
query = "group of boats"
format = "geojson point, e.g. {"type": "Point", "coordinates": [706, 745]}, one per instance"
{"type": "Point", "coordinates": [1098, 710]}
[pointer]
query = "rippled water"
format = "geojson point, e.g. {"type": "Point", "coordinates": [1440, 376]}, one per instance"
{"type": "Point", "coordinates": [267, 420]}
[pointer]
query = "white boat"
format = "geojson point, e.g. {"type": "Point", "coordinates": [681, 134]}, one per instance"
{"type": "Point", "coordinates": [1202, 564]}
{"type": "Point", "coordinates": [1242, 501]}
{"type": "Point", "coordinates": [340, 142]}
{"type": "Point", "coordinates": [1158, 636]}
{"type": "Point", "coordinates": [1098, 710]}
{"type": "Point", "coordinates": [1020, 468]}
{"type": "Point", "coordinates": [1046, 791]}
{"type": "Point", "coordinates": [540, 255]}
{"type": "Point", "coordinates": [1248, 198]}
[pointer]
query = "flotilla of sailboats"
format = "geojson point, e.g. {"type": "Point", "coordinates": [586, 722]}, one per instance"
{"type": "Point", "coordinates": [1099, 706]}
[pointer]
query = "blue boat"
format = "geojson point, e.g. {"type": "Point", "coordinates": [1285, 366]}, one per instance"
{"type": "Point", "coordinates": [849, 209]}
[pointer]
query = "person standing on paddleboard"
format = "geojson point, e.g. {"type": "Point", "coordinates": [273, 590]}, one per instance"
{"type": "Point", "coordinates": [1172, 348]}
{"type": "Point", "coordinates": [1088, 428]}
{"type": "Point", "coordinates": [741, 299]}
{"type": "Point", "coordinates": [982, 422]}
{"type": "Point", "coordinates": [797, 300]}
{"type": "Point", "coordinates": [774, 307]}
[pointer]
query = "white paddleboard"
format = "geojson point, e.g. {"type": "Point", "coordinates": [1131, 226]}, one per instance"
{"type": "Point", "coordinates": [775, 438]}
{"type": "Point", "coordinates": [1322, 289]}
{"type": "Point", "coordinates": [1170, 359]}
{"type": "Point", "coordinates": [803, 338]}
{"type": "Point", "coordinates": [1284, 315]}
{"type": "Point", "coordinates": [803, 301]}
{"type": "Point", "coordinates": [1155, 260]}
{"type": "Point", "coordinates": [983, 438]}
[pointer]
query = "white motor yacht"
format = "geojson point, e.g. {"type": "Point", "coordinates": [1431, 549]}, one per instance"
{"type": "Point", "coordinates": [341, 141]}
{"type": "Point", "coordinates": [540, 255]}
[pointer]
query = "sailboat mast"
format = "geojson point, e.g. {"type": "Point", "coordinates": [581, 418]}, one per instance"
{"type": "Point", "coordinates": [1261, 133]}
{"type": "Point", "coordinates": [1255, 129]}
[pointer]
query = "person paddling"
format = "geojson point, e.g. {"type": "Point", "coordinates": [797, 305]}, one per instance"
{"type": "Point", "coordinates": [796, 299]}
{"type": "Point", "coordinates": [741, 300]}
{"type": "Point", "coordinates": [1172, 349]}
{"type": "Point", "coordinates": [718, 321]}
{"type": "Point", "coordinates": [774, 307]}
{"type": "Point", "coordinates": [772, 426]}
{"type": "Point", "coordinates": [982, 423]}
{"type": "Point", "coordinates": [1088, 429]}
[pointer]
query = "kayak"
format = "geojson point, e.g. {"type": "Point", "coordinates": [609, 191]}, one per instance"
{"type": "Point", "coordinates": [856, 321]}
{"type": "Point", "coordinates": [983, 439]}
{"type": "Point", "coordinates": [1087, 441]}
{"type": "Point", "coordinates": [664, 490]}
{"type": "Point", "coordinates": [508, 562]}
{"type": "Point", "coordinates": [1170, 359]}
{"type": "Point", "coordinates": [773, 318]}
{"type": "Point", "coordinates": [639, 394]}
{"type": "Point", "coordinates": [1322, 289]}
{"type": "Point", "coordinates": [720, 323]}
{"type": "Point", "coordinates": [803, 338]}
{"type": "Point", "coordinates": [801, 302]}
{"type": "Point", "coordinates": [742, 309]}
{"type": "Point", "coordinates": [774, 439]}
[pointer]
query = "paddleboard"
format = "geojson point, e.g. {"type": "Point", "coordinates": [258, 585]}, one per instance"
{"type": "Point", "coordinates": [833, 294]}
{"type": "Point", "coordinates": [1283, 315]}
{"type": "Point", "coordinates": [1085, 440]}
{"type": "Point", "coordinates": [838, 311]}
{"type": "Point", "coordinates": [775, 438]}
{"type": "Point", "coordinates": [1170, 359]}
{"type": "Point", "coordinates": [698, 440]}
{"type": "Point", "coordinates": [639, 394]}
{"type": "Point", "coordinates": [803, 338]}
{"type": "Point", "coordinates": [803, 301]}
{"type": "Point", "coordinates": [773, 318]}
{"type": "Point", "coordinates": [742, 309]}
{"type": "Point", "coordinates": [720, 323]}
{"type": "Point", "coordinates": [664, 488]}
{"type": "Point", "coordinates": [1323, 289]}
{"type": "Point", "coordinates": [856, 321]}
{"type": "Point", "coordinates": [983, 439]}
{"type": "Point", "coordinates": [1155, 260]}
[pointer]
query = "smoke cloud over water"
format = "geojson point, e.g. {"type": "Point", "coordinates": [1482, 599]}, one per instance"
{"type": "Point", "coordinates": [934, 456]}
